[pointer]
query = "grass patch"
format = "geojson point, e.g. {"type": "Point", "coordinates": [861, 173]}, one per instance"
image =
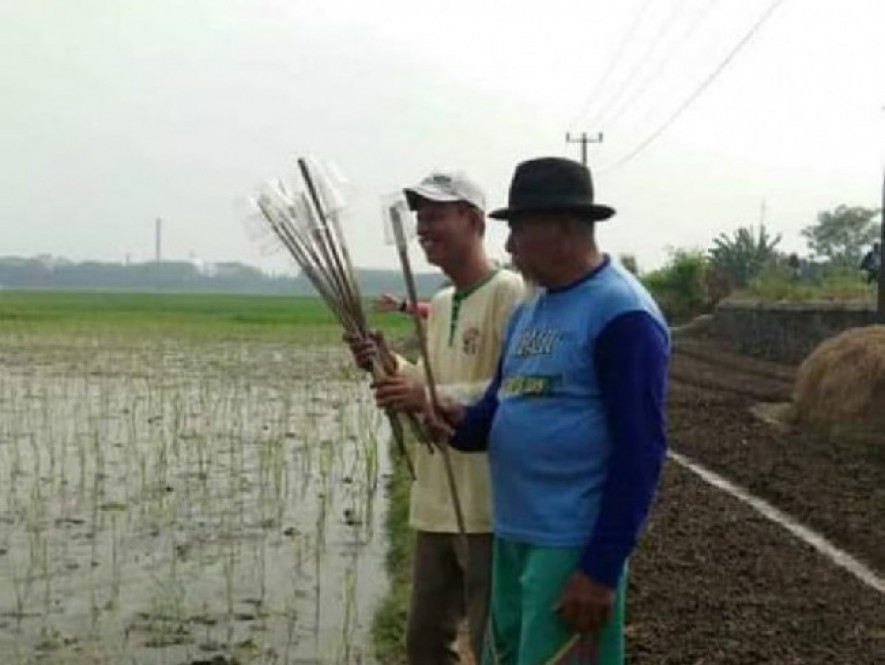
{"type": "Point", "coordinates": [389, 623]}
{"type": "Point", "coordinates": [211, 314]}
{"type": "Point", "coordinates": [837, 287]}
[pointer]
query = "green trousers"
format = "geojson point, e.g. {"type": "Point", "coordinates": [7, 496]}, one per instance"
{"type": "Point", "coordinates": [523, 627]}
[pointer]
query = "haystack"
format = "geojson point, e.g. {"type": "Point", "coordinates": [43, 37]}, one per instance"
{"type": "Point", "coordinates": [842, 383]}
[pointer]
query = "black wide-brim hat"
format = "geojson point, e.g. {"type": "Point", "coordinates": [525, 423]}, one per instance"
{"type": "Point", "coordinates": [552, 184]}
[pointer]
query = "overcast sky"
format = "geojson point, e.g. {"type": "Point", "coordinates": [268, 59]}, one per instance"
{"type": "Point", "coordinates": [115, 112]}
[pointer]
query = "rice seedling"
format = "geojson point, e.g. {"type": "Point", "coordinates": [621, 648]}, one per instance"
{"type": "Point", "coordinates": [149, 487]}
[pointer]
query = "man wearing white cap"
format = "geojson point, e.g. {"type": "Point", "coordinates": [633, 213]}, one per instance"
{"type": "Point", "coordinates": [465, 326]}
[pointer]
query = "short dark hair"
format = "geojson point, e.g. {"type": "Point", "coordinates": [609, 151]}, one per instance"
{"type": "Point", "coordinates": [470, 209]}
{"type": "Point", "coordinates": [567, 219]}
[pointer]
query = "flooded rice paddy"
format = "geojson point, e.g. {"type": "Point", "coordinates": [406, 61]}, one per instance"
{"type": "Point", "coordinates": [173, 501]}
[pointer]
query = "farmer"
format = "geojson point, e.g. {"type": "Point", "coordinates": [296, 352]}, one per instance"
{"type": "Point", "coordinates": [871, 263]}
{"type": "Point", "coordinates": [575, 428]}
{"type": "Point", "coordinates": [465, 328]}
{"type": "Point", "coordinates": [794, 264]}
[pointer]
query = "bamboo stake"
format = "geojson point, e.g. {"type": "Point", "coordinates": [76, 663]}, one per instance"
{"type": "Point", "coordinates": [348, 287]}
{"type": "Point", "coordinates": [403, 251]}
{"type": "Point", "coordinates": [329, 247]}
{"type": "Point", "coordinates": [306, 235]}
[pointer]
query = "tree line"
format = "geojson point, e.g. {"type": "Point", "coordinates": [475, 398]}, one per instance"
{"type": "Point", "coordinates": [749, 259]}
{"type": "Point", "coordinates": [51, 273]}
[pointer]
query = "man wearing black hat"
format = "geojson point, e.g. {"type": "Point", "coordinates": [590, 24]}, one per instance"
{"type": "Point", "coordinates": [574, 425]}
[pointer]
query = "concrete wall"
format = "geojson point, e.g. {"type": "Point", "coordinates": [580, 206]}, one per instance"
{"type": "Point", "coordinates": [785, 332]}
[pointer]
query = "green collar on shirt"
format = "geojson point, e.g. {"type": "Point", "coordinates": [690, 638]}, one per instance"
{"type": "Point", "coordinates": [461, 296]}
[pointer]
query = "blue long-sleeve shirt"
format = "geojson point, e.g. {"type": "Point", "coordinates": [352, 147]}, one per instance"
{"type": "Point", "coordinates": [629, 360]}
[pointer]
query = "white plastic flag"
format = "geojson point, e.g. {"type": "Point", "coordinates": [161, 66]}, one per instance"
{"type": "Point", "coordinates": [398, 220]}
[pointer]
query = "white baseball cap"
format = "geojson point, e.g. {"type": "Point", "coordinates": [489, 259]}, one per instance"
{"type": "Point", "coordinates": [446, 187]}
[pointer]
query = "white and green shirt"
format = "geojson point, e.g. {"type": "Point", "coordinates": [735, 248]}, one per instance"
{"type": "Point", "coordinates": [465, 333]}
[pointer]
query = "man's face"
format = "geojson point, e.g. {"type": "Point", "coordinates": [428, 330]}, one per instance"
{"type": "Point", "coordinates": [446, 231]}
{"type": "Point", "coordinates": [534, 243]}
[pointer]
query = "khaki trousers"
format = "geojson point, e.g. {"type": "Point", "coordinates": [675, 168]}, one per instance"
{"type": "Point", "coordinates": [445, 590]}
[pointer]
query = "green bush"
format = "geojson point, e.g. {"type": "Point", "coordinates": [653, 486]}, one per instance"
{"type": "Point", "coordinates": [629, 262]}
{"type": "Point", "coordinates": [680, 287]}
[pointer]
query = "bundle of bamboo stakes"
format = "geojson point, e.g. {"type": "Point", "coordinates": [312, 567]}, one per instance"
{"type": "Point", "coordinates": [305, 217]}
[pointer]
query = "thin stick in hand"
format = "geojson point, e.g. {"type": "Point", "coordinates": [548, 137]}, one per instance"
{"type": "Point", "coordinates": [402, 249]}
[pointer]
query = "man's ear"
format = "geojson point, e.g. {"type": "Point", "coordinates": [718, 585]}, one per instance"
{"type": "Point", "coordinates": [478, 220]}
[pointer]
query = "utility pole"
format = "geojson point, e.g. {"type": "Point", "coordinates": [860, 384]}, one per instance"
{"type": "Point", "coordinates": [881, 303]}
{"type": "Point", "coordinates": [583, 139]}
{"type": "Point", "coordinates": [158, 226]}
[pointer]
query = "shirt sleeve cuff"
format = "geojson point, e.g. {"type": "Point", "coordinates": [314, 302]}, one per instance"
{"type": "Point", "coordinates": [604, 565]}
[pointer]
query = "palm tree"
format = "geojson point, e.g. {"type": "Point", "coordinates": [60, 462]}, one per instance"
{"type": "Point", "coordinates": [743, 255]}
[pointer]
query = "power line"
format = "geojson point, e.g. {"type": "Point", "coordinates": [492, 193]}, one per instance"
{"type": "Point", "coordinates": [603, 113]}
{"type": "Point", "coordinates": [698, 91]}
{"type": "Point", "coordinates": [610, 68]}
{"type": "Point", "coordinates": [665, 61]}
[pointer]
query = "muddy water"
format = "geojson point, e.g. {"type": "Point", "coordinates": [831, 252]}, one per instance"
{"type": "Point", "coordinates": [172, 502]}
